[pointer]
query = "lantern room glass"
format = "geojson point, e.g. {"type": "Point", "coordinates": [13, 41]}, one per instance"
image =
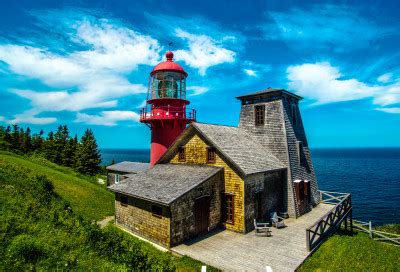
{"type": "Point", "coordinates": [167, 85]}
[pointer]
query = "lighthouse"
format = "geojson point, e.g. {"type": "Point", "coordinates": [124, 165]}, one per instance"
{"type": "Point", "coordinates": [166, 111]}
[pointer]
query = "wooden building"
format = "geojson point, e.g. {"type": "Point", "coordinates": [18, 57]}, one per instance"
{"type": "Point", "coordinates": [223, 176]}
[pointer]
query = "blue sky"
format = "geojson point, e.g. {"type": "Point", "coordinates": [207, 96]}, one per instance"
{"type": "Point", "coordinates": [86, 64]}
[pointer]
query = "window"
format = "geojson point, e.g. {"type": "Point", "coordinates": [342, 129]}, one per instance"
{"type": "Point", "coordinates": [124, 200]}
{"type": "Point", "coordinates": [156, 210]}
{"type": "Point", "coordinates": [300, 153]}
{"type": "Point", "coordinates": [181, 154]}
{"type": "Point", "coordinates": [259, 112]}
{"type": "Point", "coordinates": [210, 155]}
{"type": "Point", "coordinates": [294, 114]}
{"type": "Point", "coordinates": [116, 178]}
{"type": "Point", "coordinates": [229, 208]}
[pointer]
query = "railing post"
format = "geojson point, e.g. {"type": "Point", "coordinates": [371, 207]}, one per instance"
{"type": "Point", "coordinates": [351, 221]}
{"type": "Point", "coordinates": [308, 240]}
{"type": "Point", "coordinates": [320, 197]}
{"type": "Point", "coordinates": [370, 229]}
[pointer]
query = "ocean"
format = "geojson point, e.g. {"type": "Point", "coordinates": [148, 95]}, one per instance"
{"type": "Point", "coordinates": [371, 175]}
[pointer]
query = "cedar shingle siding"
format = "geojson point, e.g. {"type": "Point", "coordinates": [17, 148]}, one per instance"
{"type": "Point", "coordinates": [254, 164]}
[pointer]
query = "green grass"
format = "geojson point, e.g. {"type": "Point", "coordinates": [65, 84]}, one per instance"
{"type": "Point", "coordinates": [40, 232]}
{"type": "Point", "coordinates": [354, 253]}
{"type": "Point", "coordinates": [88, 199]}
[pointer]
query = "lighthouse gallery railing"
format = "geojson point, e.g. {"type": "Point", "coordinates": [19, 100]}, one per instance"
{"type": "Point", "coordinates": [168, 112]}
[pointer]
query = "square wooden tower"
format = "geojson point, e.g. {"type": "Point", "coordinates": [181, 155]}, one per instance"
{"type": "Point", "coordinates": [273, 116]}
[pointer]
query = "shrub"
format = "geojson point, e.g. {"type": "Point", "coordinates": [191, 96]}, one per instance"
{"type": "Point", "coordinates": [26, 248]}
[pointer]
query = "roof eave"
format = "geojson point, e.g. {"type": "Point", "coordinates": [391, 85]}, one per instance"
{"type": "Point", "coordinates": [266, 171]}
{"type": "Point", "coordinates": [260, 94]}
{"type": "Point", "coordinates": [140, 197]}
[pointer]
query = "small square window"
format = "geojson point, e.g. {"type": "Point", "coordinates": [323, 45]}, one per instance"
{"type": "Point", "coordinates": [210, 155]}
{"type": "Point", "coordinates": [181, 154]}
{"type": "Point", "coordinates": [156, 210]}
{"type": "Point", "coordinates": [124, 200]}
{"type": "Point", "coordinates": [259, 114]}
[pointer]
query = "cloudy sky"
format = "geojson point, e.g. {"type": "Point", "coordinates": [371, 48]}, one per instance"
{"type": "Point", "coordinates": [86, 64]}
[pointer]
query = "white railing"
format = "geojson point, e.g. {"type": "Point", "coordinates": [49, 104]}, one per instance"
{"type": "Point", "coordinates": [381, 236]}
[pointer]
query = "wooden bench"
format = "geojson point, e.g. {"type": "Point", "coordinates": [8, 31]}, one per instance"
{"type": "Point", "coordinates": [262, 228]}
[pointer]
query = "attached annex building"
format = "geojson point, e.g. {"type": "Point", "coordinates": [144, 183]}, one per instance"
{"type": "Point", "coordinates": [214, 176]}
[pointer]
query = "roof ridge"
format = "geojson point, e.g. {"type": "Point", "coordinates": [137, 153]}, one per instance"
{"type": "Point", "coordinates": [219, 125]}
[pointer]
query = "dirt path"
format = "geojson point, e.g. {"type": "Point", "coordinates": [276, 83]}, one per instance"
{"type": "Point", "coordinates": [105, 221]}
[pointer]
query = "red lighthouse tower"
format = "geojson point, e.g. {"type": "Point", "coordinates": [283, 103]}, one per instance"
{"type": "Point", "coordinates": [166, 113]}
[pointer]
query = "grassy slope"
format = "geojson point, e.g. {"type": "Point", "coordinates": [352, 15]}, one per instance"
{"type": "Point", "coordinates": [353, 253]}
{"type": "Point", "coordinates": [88, 199]}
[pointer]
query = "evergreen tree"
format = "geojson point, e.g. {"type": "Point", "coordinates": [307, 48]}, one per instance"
{"type": "Point", "coordinates": [15, 137]}
{"type": "Point", "coordinates": [48, 147]}
{"type": "Point", "coordinates": [60, 142]}
{"type": "Point", "coordinates": [87, 154]}
{"type": "Point", "coordinates": [37, 141]}
{"type": "Point", "coordinates": [7, 135]}
{"type": "Point", "coordinates": [27, 141]}
{"type": "Point", "coordinates": [2, 132]}
{"type": "Point", "coordinates": [69, 151]}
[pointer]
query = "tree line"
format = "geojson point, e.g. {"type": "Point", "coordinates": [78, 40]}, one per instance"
{"type": "Point", "coordinates": [58, 147]}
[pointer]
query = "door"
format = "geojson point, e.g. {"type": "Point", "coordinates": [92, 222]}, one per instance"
{"type": "Point", "coordinates": [258, 206]}
{"type": "Point", "coordinates": [303, 195]}
{"type": "Point", "coordinates": [202, 214]}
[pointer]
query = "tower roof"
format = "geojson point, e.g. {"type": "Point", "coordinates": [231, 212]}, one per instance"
{"type": "Point", "coordinates": [168, 65]}
{"type": "Point", "coordinates": [268, 92]}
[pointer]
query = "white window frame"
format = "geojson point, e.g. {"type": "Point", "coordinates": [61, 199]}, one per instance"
{"type": "Point", "coordinates": [117, 178]}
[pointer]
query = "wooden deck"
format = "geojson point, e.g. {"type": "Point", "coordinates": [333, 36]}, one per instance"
{"type": "Point", "coordinates": [285, 250]}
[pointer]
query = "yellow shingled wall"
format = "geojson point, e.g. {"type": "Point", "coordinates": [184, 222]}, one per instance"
{"type": "Point", "coordinates": [195, 151]}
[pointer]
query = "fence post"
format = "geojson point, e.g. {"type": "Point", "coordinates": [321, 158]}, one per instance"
{"type": "Point", "coordinates": [308, 240]}
{"type": "Point", "coordinates": [351, 221]}
{"type": "Point", "coordinates": [370, 229]}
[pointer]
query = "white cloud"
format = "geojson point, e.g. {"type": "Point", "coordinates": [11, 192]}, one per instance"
{"type": "Point", "coordinates": [250, 72]}
{"type": "Point", "coordinates": [94, 76]}
{"type": "Point", "coordinates": [203, 52]}
{"type": "Point", "coordinates": [385, 78]}
{"type": "Point", "coordinates": [102, 93]}
{"type": "Point", "coordinates": [114, 47]}
{"type": "Point", "coordinates": [323, 26]}
{"type": "Point", "coordinates": [389, 110]}
{"type": "Point", "coordinates": [107, 118]}
{"type": "Point", "coordinates": [197, 90]}
{"type": "Point", "coordinates": [29, 117]}
{"type": "Point", "coordinates": [322, 83]}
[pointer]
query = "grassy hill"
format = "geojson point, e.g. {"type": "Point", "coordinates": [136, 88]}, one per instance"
{"type": "Point", "coordinates": [87, 198]}
{"type": "Point", "coordinates": [342, 252]}
{"type": "Point", "coordinates": [47, 223]}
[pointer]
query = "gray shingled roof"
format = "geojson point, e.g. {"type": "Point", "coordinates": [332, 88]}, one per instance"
{"type": "Point", "coordinates": [129, 167]}
{"type": "Point", "coordinates": [240, 147]}
{"type": "Point", "coordinates": [269, 92]}
{"type": "Point", "coordinates": [163, 183]}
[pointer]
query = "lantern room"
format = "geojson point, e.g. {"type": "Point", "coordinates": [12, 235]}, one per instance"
{"type": "Point", "coordinates": [167, 80]}
{"type": "Point", "coordinates": [166, 111]}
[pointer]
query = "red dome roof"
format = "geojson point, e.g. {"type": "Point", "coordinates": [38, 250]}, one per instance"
{"type": "Point", "coordinates": [168, 65]}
